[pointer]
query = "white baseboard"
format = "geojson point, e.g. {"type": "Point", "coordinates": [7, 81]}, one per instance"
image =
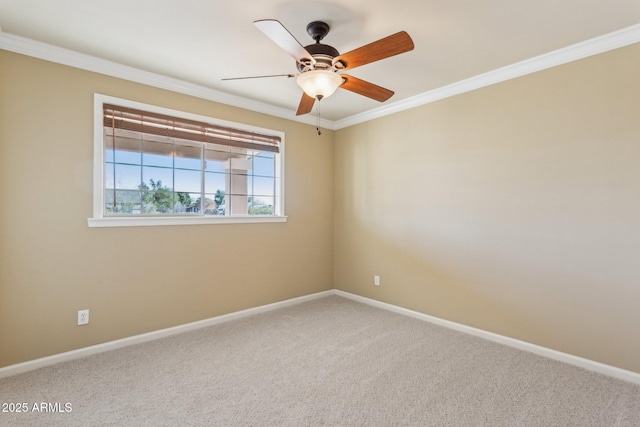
{"type": "Point", "coordinates": [612, 371]}
{"type": "Point", "coordinates": [31, 365]}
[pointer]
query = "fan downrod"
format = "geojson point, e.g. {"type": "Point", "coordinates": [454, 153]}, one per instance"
{"type": "Point", "coordinates": [318, 30]}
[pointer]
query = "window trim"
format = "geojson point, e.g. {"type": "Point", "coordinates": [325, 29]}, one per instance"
{"type": "Point", "coordinates": [100, 220]}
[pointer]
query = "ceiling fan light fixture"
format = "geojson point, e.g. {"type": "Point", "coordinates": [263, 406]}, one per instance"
{"type": "Point", "coordinates": [319, 83]}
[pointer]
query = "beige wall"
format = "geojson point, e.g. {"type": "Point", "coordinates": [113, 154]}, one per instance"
{"type": "Point", "coordinates": [514, 208]}
{"type": "Point", "coordinates": [138, 279]}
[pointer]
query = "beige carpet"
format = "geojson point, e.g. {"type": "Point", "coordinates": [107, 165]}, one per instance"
{"type": "Point", "coordinates": [330, 361]}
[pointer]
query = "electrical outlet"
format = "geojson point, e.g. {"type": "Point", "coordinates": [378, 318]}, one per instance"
{"type": "Point", "coordinates": [83, 317]}
{"type": "Point", "coordinates": [376, 280]}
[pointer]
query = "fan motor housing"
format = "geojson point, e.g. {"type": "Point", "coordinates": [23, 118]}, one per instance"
{"type": "Point", "coordinates": [322, 53]}
{"type": "Point", "coordinates": [322, 49]}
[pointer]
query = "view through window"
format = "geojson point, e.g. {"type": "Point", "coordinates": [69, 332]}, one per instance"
{"type": "Point", "coordinates": [159, 165]}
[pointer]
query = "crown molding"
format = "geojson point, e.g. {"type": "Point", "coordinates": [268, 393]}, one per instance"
{"type": "Point", "coordinates": [597, 45]}
{"type": "Point", "coordinates": [82, 61]}
{"type": "Point", "coordinates": [607, 42]}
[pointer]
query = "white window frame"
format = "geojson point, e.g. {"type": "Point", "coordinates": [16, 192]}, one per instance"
{"type": "Point", "coordinates": [100, 220]}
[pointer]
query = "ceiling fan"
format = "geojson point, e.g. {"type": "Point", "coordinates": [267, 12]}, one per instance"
{"type": "Point", "coordinates": [318, 64]}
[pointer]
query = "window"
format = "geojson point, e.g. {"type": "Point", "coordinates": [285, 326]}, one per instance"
{"type": "Point", "coordinates": [154, 166]}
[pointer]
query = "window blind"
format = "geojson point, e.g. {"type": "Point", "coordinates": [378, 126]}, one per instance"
{"type": "Point", "coordinates": [132, 119]}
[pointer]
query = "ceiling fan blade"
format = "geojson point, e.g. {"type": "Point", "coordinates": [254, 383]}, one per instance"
{"type": "Point", "coordinates": [259, 77]}
{"type": "Point", "coordinates": [306, 104]}
{"type": "Point", "coordinates": [394, 44]}
{"type": "Point", "coordinates": [283, 38]}
{"type": "Point", "coordinates": [365, 88]}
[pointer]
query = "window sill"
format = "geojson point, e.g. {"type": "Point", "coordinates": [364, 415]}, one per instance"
{"type": "Point", "coordinates": [175, 220]}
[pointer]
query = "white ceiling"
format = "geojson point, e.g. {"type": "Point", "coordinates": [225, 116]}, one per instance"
{"type": "Point", "coordinates": [203, 41]}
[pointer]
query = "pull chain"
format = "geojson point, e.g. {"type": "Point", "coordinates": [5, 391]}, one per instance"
{"type": "Point", "coordinates": [318, 117]}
